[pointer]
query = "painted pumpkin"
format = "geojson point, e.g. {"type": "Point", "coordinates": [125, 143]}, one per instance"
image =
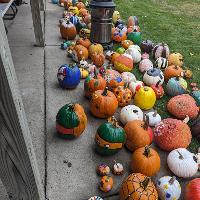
{"type": "Point", "coordinates": [87, 20]}
{"type": "Point", "coordinates": [110, 137]}
{"type": "Point", "coordinates": [145, 160]}
{"type": "Point", "coordinates": [68, 30]}
{"type": "Point", "coordinates": [196, 96]}
{"type": "Point", "coordinates": [138, 134]}
{"type": "Point", "coordinates": [84, 73]}
{"type": "Point", "coordinates": [175, 59]}
{"type": "Point", "coordinates": [83, 12]}
{"type": "Point", "coordinates": [116, 16]}
{"type": "Point", "coordinates": [80, 5]}
{"type": "Point", "coordinates": [195, 128]}
{"type": "Point", "coordinates": [187, 74]}
{"type": "Point", "coordinates": [93, 84]}
{"type": "Point", "coordinates": [193, 190]}
{"type": "Point", "coordinates": [145, 65]}
{"type": "Point", "coordinates": [120, 50]}
{"type": "Point", "coordinates": [153, 76]}
{"type": "Point", "coordinates": [138, 187]}
{"type": "Point", "coordinates": [147, 46]}
{"type": "Point", "coordinates": [171, 134]}
{"type": "Point", "coordinates": [74, 10]}
{"type": "Point", "coordinates": [183, 105]}
{"type": "Point", "coordinates": [182, 163]}
{"type": "Point", "coordinates": [135, 46]}
{"type": "Point", "coordinates": [126, 43]}
{"type": "Point", "coordinates": [106, 184]}
{"type": "Point", "coordinates": [74, 19]}
{"type": "Point", "coordinates": [128, 77]}
{"type": "Point", "coordinates": [135, 37]}
{"type": "Point", "coordinates": [123, 94]}
{"type": "Point", "coordinates": [161, 63]}
{"type": "Point", "coordinates": [98, 59]}
{"type": "Point", "coordinates": [132, 21]}
{"type": "Point", "coordinates": [176, 86]}
{"type": "Point", "coordinates": [103, 169]}
{"type": "Point", "coordinates": [53, 1]}
{"type": "Point", "coordinates": [145, 56]}
{"type": "Point", "coordinates": [68, 76]}
{"type": "Point", "coordinates": [173, 71]}
{"type": "Point", "coordinates": [124, 63]}
{"type": "Point", "coordinates": [84, 42]}
{"type": "Point", "coordinates": [113, 57]}
{"type": "Point", "coordinates": [71, 121]}
{"type": "Point", "coordinates": [95, 48]}
{"type": "Point", "coordinates": [118, 35]}
{"type": "Point", "coordinates": [134, 53]}
{"type": "Point", "coordinates": [84, 32]}
{"type": "Point", "coordinates": [161, 50]}
{"type": "Point", "coordinates": [145, 98]}
{"type": "Point", "coordinates": [135, 85]}
{"type": "Point", "coordinates": [79, 53]}
{"type": "Point", "coordinates": [158, 89]}
{"type": "Point", "coordinates": [130, 113]}
{"type": "Point", "coordinates": [103, 103]}
{"type": "Point", "coordinates": [83, 64]}
{"type": "Point", "coordinates": [168, 188]}
{"type": "Point", "coordinates": [81, 26]}
{"type": "Point", "coordinates": [154, 118]}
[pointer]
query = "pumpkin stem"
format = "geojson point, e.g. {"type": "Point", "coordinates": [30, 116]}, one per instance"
{"type": "Point", "coordinates": [171, 181]}
{"type": "Point", "coordinates": [155, 113]}
{"type": "Point", "coordinates": [180, 155]}
{"type": "Point", "coordinates": [105, 92]}
{"type": "Point", "coordinates": [147, 151]}
{"type": "Point", "coordinates": [157, 84]}
{"type": "Point", "coordinates": [144, 184]}
{"type": "Point", "coordinates": [186, 120]}
{"type": "Point", "coordinates": [146, 124]}
{"type": "Point", "coordinates": [146, 89]}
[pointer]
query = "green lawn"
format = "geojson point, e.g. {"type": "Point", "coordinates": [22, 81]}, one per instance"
{"type": "Point", "coordinates": [175, 22]}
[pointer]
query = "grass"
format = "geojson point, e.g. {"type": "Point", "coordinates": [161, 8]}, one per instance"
{"type": "Point", "coordinates": [175, 22]}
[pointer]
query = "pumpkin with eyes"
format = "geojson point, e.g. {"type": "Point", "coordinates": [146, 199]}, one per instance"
{"type": "Point", "coordinates": [193, 190]}
{"type": "Point", "coordinates": [110, 137]}
{"type": "Point", "coordinates": [175, 59]}
{"type": "Point", "coordinates": [161, 50]}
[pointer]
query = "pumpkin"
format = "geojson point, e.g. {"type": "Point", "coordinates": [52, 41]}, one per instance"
{"type": "Point", "coordinates": [130, 113]}
{"type": "Point", "coordinates": [161, 50]}
{"type": "Point", "coordinates": [116, 16]}
{"type": "Point", "coordinates": [93, 84]}
{"type": "Point", "coordinates": [126, 43]}
{"type": "Point", "coordinates": [74, 19]}
{"type": "Point", "coordinates": [110, 137]}
{"type": "Point", "coordinates": [168, 188]}
{"type": "Point", "coordinates": [71, 121]}
{"type": "Point", "coordinates": [74, 10]}
{"type": "Point", "coordinates": [158, 89]}
{"type": "Point", "coordinates": [103, 103]}
{"type": "Point", "coordinates": [171, 134]}
{"type": "Point", "coordinates": [113, 57]}
{"type": "Point", "coordinates": [62, 2]}
{"type": "Point", "coordinates": [68, 30]}
{"type": "Point", "coordinates": [134, 53]}
{"type": "Point", "coordinates": [118, 35]}
{"type": "Point", "coordinates": [135, 37]}
{"type": "Point", "coordinates": [176, 86]}
{"type": "Point", "coordinates": [83, 64]}
{"type": "Point", "coordinates": [138, 134]}
{"type": "Point", "coordinates": [147, 46]}
{"type": "Point", "coordinates": [145, 56]}
{"type": "Point", "coordinates": [68, 76]}
{"type": "Point", "coordinates": [106, 184]}
{"type": "Point", "coordinates": [193, 190]}
{"type": "Point", "coordinates": [84, 42]}
{"type": "Point", "coordinates": [154, 118]}
{"type": "Point", "coordinates": [172, 71]}
{"type": "Point", "coordinates": [103, 170]}
{"type": "Point", "coordinates": [145, 160]}
{"type": "Point", "coordinates": [109, 54]}
{"type": "Point", "coordinates": [195, 128]}
{"type": "Point", "coordinates": [135, 85]}
{"type": "Point", "coordinates": [95, 198]}
{"type": "Point", "coordinates": [132, 21]}
{"type": "Point", "coordinates": [133, 29]}
{"type": "Point", "coordinates": [81, 26]}
{"type": "Point", "coordinates": [84, 73]}
{"type": "Point", "coordinates": [79, 53]}
{"type": "Point", "coordinates": [153, 76]}
{"type": "Point", "coordinates": [134, 46]}
{"type": "Point", "coordinates": [87, 20]}
{"type": "Point", "coordinates": [120, 50]}
{"type": "Point", "coordinates": [182, 163]}
{"type": "Point", "coordinates": [80, 5]}
{"type": "Point", "coordinates": [145, 98]}
{"type": "Point", "coordinates": [183, 105]}
{"type": "Point", "coordinates": [124, 63]}
{"type": "Point", "coordinates": [84, 32]}
{"type": "Point", "coordinates": [95, 48]}
{"type": "Point", "coordinates": [196, 96]}
{"type": "Point", "coordinates": [175, 59]}
{"type": "Point", "coordinates": [145, 65]}
{"type": "Point", "coordinates": [98, 59]}
{"type": "Point", "coordinates": [83, 12]}
{"type": "Point", "coordinates": [138, 187]}
{"type": "Point", "coordinates": [161, 63]}
{"type": "Point", "coordinates": [187, 73]}
{"type": "Point", "coordinates": [128, 77]}
{"type": "Point", "coordinates": [53, 1]}
{"type": "Point", "coordinates": [123, 94]}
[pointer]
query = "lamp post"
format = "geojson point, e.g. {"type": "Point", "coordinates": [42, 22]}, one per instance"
{"type": "Point", "coordinates": [101, 22]}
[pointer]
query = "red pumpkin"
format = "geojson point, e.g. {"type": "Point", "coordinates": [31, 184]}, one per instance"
{"type": "Point", "coordinates": [158, 89]}
{"type": "Point", "coordinates": [68, 30]}
{"type": "Point", "coordinates": [192, 191]}
{"type": "Point", "coordinates": [98, 59]}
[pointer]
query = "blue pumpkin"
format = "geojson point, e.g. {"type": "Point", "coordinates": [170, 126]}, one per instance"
{"type": "Point", "coordinates": [74, 20]}
{"type": "Point", "coordinates": [196, 96]}
{"type": "Point", "coordinates": [55, 1]}
{"type": "Point", "coordinates": [69, 76]}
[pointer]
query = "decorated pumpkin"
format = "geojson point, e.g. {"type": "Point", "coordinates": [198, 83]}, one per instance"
{"type": "Point", "coordinates": [120, 50]}
{"type": "Point", "coordinates": [83, 64]}
{"type": "Point", "coordinates": [73, 9]}
{"type": "Point", "coordinates": [116, 16]}
{"type": "Point", "coordinates": [173, 71]}
{"type": "Point", "coordinates": [160, 50]}
{"type": "Point", "coordinates": [193, 190]}
{"type": "Point", "coordinates": [182, 163]}
{"type": "Point", "coordinates": [183, 105]}
{"type": "Point", "coordinates": [128, 77]}
{"type": "Point", "coordinates": [83, 12]}
{"type": "Point", "coordinates": [134, 53]}
{"type": "Point", "coordinates": [84, 32]}
{"type": "Point", "coordinates": [135, 85]}
{"type": "Point", "coordinates": [158, 89]}
{"type": "Point", "coordinates": [98, 59]}
{"type": "Point", "coordinates": [145, 98]}
{"type": "Point", "coordinates": [132, 21]}
{"type": "Point", "coordinates": [84, 42]}
{"type": "Point", "coordinates": [106, 183]}
{"type": "Point", "coordinates": [103, 103]}
{"type": "Point", "coordinates": [145, 65]}
{"type": "Point", "coordinates": [154, 118]}
{"type": "Point", "coordinates": [161, 63]}
{"type": "Point", "coordinates": [135, 37]}
{"type": "Point", "coordinates": [168, 188]}
{"type": "Point", "coordinates": [84, 73]}
{"type": "Point", "coordinates": [118, 169]}
{"type": "Point", "coordinates": [80, 5]}
{"type": "Point", "coordinates": [195, 128]}
{"type": "Point", "coordinates": [175, 59]}
{"type": "Point", "coordinates": [126, 43]}
{"type": "Point", "coordinates": [147, 46]}
{"type": "Point", "coordinates": [74, 19]}
{"type": "Point", "coordinates": [118, 35]}
{"type": "Point", "coordinates": [53, 1]}
{"type": "Point", "coordinates": [95, 48]}
{"type": "Point", "coordinates": [153, 76]}
{"type": "Point", "coordinates": [145, 56]}
{"type": "Point", "coordinates": [124, 63]}
{"type": "Point", "coordinates": [138, 134]}
{"type": "Point", "coordinates": [103, 169]}
{"type": "Point", "coordinates": [68, 30]}
{"type": "Point", "coordinates": [138, 187]}
{"type": "Point", "coordinates": [171, 134]}
{"type": "Point", "coordinates": [81, 26]}
{"type": "Point", "coordinates": [69, 76]}
{"type": "Point", "coordinates": [71, 121]}
{"type": "Point", "coordinates": [79, 53]}
{"type": "Point", "coordinates": [196, 96]}
{"type": "Point", "coordinates": [110, 137]}
{"type": "Point", "coordinates": [135, 46]}
{"type": "Point", "coordinates": [87, 20]}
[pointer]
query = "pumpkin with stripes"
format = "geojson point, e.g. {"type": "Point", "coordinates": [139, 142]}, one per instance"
{"type": "Point", "coordinates": [161, 50]}
{"type": "Point", "coordinates": [161, 63]}
{"type": "Point", "coordinates": [71, 121]}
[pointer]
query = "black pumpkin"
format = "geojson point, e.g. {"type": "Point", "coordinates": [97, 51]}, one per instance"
{"type": "Point", "coordinates": [147, 46]}
{"type": "Point", "coordinates": [195, 128]}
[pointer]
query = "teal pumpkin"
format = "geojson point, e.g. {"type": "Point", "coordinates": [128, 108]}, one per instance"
{"type": "Point", "coordinates": [80, 25]}
{"type": "Point", "coordinates": [110, 138]}
{"type": "Point", "coordinates": [196, 96]}
{"type": "Point", "coordinates": [135, 37]}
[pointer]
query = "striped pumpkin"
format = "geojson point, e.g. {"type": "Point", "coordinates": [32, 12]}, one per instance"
{"type": "Point", "coordinates": [124, 63]}
{"type": "Point", "coordinates": [161, 63]}
{"type": "Point", "coordinates": [161, 50]}
{"type": "Point", "coordinates": [74, 19]}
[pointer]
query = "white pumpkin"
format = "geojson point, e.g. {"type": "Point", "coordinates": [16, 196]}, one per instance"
{"type": "Point", "coordinates": [145, 65]}
{"type": "Point", "coordinates": [128, 77]}
{"type": "Point", "coordinates": [168, 188]}
{"type": "Point", "coordinates": [182, 163]}
{"type": "Point", "coordinates": [154, 118]}
{"type": "Point", "coordinates": [135, 54]}
{"type": "Point", "coordinates": [129, 113]}
{"type": "Point", "coordinates": [135, 85]}
{"type": "Point", "coordinates": [161, 63]}
{"type": "Point", "coordinates": [83, 64]}
{"type": "Point", "coordinates": [134, 46]}
{"type": "Point", "coordinates": [153, 76]}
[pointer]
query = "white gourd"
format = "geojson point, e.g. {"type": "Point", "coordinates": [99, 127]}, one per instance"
{"type": "Point", "coordinates": [154, 118]}
{"type": "Point", "coordinates": [128, 77]}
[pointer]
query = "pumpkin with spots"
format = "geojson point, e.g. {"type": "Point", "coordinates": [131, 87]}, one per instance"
{"type": "Point", "coordinates": [106, 183]}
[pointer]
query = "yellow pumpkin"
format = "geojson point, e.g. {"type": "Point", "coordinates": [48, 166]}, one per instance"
{"type": "Point", "coordinates": [116, 16]}
{"type": "Point", "coordinates": [84, 73]}
{"type": "Point", "coordinates": [73, 9]}
{"type": "Point", "coordinates": [175, 59]}
{"type": "Point", "coordinates": [124, 63]}
{"type": "Point", "coordinates": [145, 98]}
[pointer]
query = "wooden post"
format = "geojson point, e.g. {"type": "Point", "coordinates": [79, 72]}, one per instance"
{"type": "Point", "coordinates": [37, 22]}
{"type": "Point", "coordinates": [18, 168]}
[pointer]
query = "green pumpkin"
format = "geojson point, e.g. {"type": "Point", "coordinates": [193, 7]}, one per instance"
{"type": "Point", "coordinates": [109, 138]}
{"type": "Point", "coordinates": [80, 25]}
{"type": "Point", "coordinates": [135, 37]}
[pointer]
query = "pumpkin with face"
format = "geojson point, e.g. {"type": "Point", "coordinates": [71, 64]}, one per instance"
{"type": "Point", "coordinates": [106, 183]}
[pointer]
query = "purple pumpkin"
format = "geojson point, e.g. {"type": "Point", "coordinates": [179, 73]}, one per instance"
{"type": "Point", "coordinates": [147, 46]}
{"type": "Point", "coordinates": [161, 50]}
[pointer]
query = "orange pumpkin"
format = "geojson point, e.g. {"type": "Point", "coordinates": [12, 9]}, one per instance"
{"type": "Point", "coordinates": [98, 59]}
{"type": "Point", "coordinates": [145, 160]}
{"type": "Point", "coordinates": [103, 103]}
{"type": "Point", "coordinates": [79, 53]}
{"type": "Point", "coordinates": [126, 44]}
{"type": "Point", "coordinates": [138, 187]}
{"type": "Point", "coordinates": [192, 191]}
{"type": "Point", "coordinates": [84, 42]}
{"type": "Point", "coordinates": [118, 36]}
{"type": "Point", "coordinates": [67, 3]}
{"type": "Point", "coordinates": [87, 19]}
{"type": "Point", "coordinates": [124, 63]}
{"type": "Point", "coordinates": [80, 5]}
{"type": "Point", "coordinates": [68, 30]}
{"type": "Point", "coordinates": [83, 12]}
{"type": "Point", "coordinates": [106, 183]}
{"type": "Point", "coordinates": [173, 71]}
{"type": "Point", "coordinates": [95, 48]}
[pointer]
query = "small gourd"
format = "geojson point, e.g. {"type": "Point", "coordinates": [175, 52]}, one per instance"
{"type": "Point", "coordinates": [154, 118]}
{"type": "Point", "coordinates": [84, 73]}
{"type": "Point", "coordinates": [158, 89]}
{"type": "Point", "coordinates": [74, 19]}
{"type": "Point", "coordinates": [135, 85]}
{"type": "Point", "coordinates": [103, 170]}
{"type": "Point", "coordinates": [106, 183]}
